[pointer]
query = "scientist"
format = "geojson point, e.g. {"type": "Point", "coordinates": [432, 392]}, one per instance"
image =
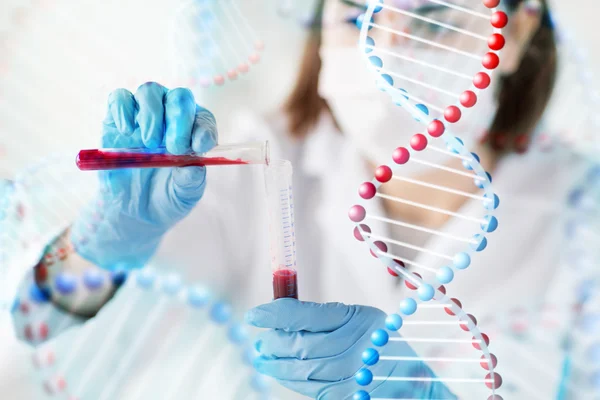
{"type": "Point", "coordinates": [217, 233]}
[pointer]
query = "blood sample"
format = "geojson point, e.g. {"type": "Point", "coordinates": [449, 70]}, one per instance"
{"type": "Point", "coordinates": [285, 283]}
{"type": "Point", "coordinates": [280, 206]}
{"type": "Point", "coordinates": [232, 154]}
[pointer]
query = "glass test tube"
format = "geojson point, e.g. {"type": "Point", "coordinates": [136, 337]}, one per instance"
{"type": "Point", "coordinates": [225, 154]}
{"type": "Point", "coordinates": [280, 203]}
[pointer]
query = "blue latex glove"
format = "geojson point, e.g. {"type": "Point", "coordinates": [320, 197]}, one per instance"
{"type": "Point", "coordinates": [316, 349]}
{"type": "Point", "coordinates": [138, 206]}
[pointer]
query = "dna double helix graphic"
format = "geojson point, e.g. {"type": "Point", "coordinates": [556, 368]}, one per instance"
{"type": "Point", "coordinates": [425, 55]}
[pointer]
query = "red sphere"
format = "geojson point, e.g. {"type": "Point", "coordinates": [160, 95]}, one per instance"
{"type": "Point", "coordinates": [485, 362]}
{"type": "Point", "coordinates": [482, 80]}
{"type": "Point", "coordinates": [477, 345]}
{"type": "Point", "coordinates": [436, 128]}
{"type": "Point", "coordinates": [442, 289]}
{"type": "Point", "coordinates": [499, 142]}
{"type": "Point", "coordinates": [449, 310]}
{"type": "Point", "coordinates": [490, 61]}
{"type": "Point", "coordinates": [367, 190]}
{"type": "Point", "coordinates": [381, 246]}
{"type": "Point", "coordinates": [496, 41]}
{"type": "Point", "coordinates": [465, 326]}
{"type": "Point", "coordinates": [357, 213]}
{"type": "Point", "coordinates": [491, 3]}
{"type": "Point", "coordinates": [401, 155]}
{"type": "Point", "coordinates": [418, 142]}
{"type": "Point", "coordinates": [44, 330]}
{"type": "Point", "coordinates": [497, 381]}
{"type": "Point", "coordinates": [410, 285]}
{"type": "Point", "coordinates": [452, 114]}
{"type": "Point", "coordinates": [393, 272]}
{"type": "Point", "coordinates": [383, 173]}
{"type": "Point", "coordinates": [468, 99]}
{"type": "Point", "coordinates": [521, 143]}
{"type": "Point", "coordinates": [357, 233]}
{"type": "Point", "coordinates": [499, 19]}
{"type": "Point", "coordinates": [495, 397]}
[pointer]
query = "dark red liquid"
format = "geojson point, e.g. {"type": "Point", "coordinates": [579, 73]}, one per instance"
{"type": "Point", "coordinates": [94, 160]}
{"type": "Point", "coordinates": [285, 284]}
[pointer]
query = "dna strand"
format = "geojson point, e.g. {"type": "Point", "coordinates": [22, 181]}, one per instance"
{"type": "Point", "coordinates": [466, 54]}
{"type": "Point", "coordinates": [175, 324]}
{"type": "Point", "coordinates": [212, 42]}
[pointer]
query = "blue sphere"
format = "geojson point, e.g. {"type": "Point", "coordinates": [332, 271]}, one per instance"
{"type": "Point", "coordinates": [467, 164]}
{"type": "Point", "coordinates": [93, 279]}
{"type": "Point", "coordinates": [491, 202]}
{"type": "Point", "coordinates": [359, 21]}
{"type": "Point", "coordinates": [378, 8]}
{"type": "Point", "coordinates": [376, 61]}
{"type": "Point", "coordinates": [65, 283]}
{"type": "Point", "coordinates": [388, 79]}
{"type": "Point", "coordinates": [393, 322]}
{"type": "Point", "coordinates": [369, 42]}
{"type": "Point", "coordinates": [220, 312]}
{"type": "Point", "coordinates": [481, 242]}
{"type": "Point", "coordinates": [425, 292]}
{"type": "Point", "coordinates": [172, 285]}
{"type": "Point", "coordinates": [361, 395]}
{"type": "Point", "coordinates": [364, 377]}
{"type": "Point", "coordinates": [490, 225]}
{"type": "Point", "coordinates": [118, 278]}
{"type": "Point", "coordinates": [370, 356]}
{"type": "Point", "coordinates": [198, 297]}
{"type": "Point", "coordinates": [237, 333]}
{"type": "Point", "coordinates": [38, 294]}
{"type": "Point", "coordinates": [423, 108]}
{"type": "Point", "coordinates": [408, 306]}
{"type": "Point", "coordinates": [380, 337]}
{"type": "Point", "coordinates": [461, 260]}
{"type": "Point", "coordinates": [444, 275]}
{"type": "Point", "coordinates": [145, 279]}
{"type": "Point", "coordinates": [403, 91]}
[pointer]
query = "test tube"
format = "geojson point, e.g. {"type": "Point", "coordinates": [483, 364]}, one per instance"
{"type": "Point", "coordinates": [280, 203]}
{"type": "Point", "coordinates": [225, 154]}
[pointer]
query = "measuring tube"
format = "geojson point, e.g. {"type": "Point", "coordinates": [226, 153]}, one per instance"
{"type": "Point", "coordinates": [226, 154]}
{"type": "Point", "coordinates": [280, 206]}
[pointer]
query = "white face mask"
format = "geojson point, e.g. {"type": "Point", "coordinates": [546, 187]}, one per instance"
{"type": "Point", "coordinates": [368, 117]}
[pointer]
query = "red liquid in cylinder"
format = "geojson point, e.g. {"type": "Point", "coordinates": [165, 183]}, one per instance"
{"type": "Point", "coordinates": [285, 284]}
{"type": "Point", "coordinates": [93, 160]}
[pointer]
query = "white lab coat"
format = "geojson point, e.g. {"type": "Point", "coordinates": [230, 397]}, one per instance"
{"type": "Point", "coordinates": [224, 242]}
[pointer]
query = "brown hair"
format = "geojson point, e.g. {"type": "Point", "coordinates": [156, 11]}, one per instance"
{"type": "Point", "coordinates": [522, 96]}
{"type": "Point", "coordinates": [304, 105]}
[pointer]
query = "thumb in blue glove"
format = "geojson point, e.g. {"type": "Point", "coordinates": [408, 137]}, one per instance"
{"type": "Point", "coordinates": [316, 350]}
{"type": "Point", "coordinates": [138, 206]}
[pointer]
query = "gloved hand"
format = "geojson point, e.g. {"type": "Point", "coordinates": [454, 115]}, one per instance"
{"type": "Point", "coordinates": [137, 207]}
{"type": "Point", "coordinates": [316, 349]}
